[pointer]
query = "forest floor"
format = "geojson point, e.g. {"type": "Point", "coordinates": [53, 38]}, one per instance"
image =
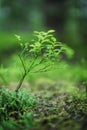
{"type": "Point", "coordinates": [57, 107]}
{"type": "Point", "coordinates": [59, 110]}
{"type": "Point", "coordinates": [59, 103]}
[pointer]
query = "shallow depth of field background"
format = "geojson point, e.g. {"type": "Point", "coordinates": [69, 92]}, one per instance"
{"type": "Point", "coordinates": [68, 18]}
{"type": "Point", "coordinates": [22, 17]}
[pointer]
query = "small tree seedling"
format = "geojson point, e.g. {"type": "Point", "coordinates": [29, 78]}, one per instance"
{"type": "Point", "coordinates": [43, 51]}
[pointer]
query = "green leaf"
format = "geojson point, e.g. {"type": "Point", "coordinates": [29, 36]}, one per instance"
{"type": "Point", "coordinates": [51, 31]}
{"type": "Point", "coordinates": [18, 37]}
{"type": "Point", "coordinates": [21, 44]}
{"type": "Point", "coordinates": [36, 32]}
{"type": "Point", "coordinates": [37, 44]}
{"type": "Point", "coordinates": [68, 51]}
{"type": "Point", "coordinates": [53, 39]}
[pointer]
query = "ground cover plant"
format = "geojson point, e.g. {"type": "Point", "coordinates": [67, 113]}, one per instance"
{"type": "Point", "coordinates": [53, 100]}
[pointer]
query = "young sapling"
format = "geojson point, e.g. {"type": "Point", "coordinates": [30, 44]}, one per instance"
{"type": "Point", "coordinates": [42, 52]}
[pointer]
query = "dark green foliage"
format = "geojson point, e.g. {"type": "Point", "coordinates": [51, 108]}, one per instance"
{"type": "Point", "coordinates": [16, 110]}
{"type": "Point", "coordinates": [26, 122]}
{"type": "Point", "coordinates": [13, 105]}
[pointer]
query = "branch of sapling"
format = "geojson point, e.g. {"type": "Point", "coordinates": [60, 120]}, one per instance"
{"type": "Point", "coordinates": [23, 76]}
{"type": "Point", "coordinates": [26, 72]}
{"type": "Point", "coordinates": [43, 69]}
{"type": "Point", "coordinates": [20, 82]}
{"type": "Point", "coordinates": [32, 65]}
{"type": "Point", "coordinates": [39, 62]}
{"type": "Point", "coordinates": [22, 62]}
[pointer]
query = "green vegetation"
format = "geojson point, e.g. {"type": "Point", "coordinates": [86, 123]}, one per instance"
{"type": "Point", "coordinates": [51, 93]}
{"type": "Point", "coordinates": [14, 104]}
{"type": "Point", "coordinates": [43, 76]}
{"type": "Point", "coordinates": [16, 109]}
{"type": "Point", "coordinates": [44, 52]}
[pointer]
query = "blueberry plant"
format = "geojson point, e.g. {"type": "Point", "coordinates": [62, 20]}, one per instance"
{"type": "Point", "coordinates": [43, 51]}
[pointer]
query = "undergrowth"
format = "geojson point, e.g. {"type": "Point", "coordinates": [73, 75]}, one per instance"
{"type": "Point", "coordinates": [16, 109]}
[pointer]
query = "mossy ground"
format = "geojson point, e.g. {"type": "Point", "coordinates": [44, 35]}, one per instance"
{"type": "Point", "coordinates": [58, 110]}
{"type": "Point", "coordinates": [54, 109]}
{"type": "Point", "coordinates": [61, 102]}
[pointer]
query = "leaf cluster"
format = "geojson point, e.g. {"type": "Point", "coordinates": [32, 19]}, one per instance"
{"type": "Point", "coordinates": [44, 44]}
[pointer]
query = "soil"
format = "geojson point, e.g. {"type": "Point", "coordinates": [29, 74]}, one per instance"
{"type": "Point", "coordinates": [58, 110]}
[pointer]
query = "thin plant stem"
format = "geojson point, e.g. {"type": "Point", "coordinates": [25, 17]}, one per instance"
{"type": "Point", "coordinates": [20, 82]}
{"type": "Point", "coordinates": [24, 67]}
{"type": "Point", "coordinates": [32, 65]}
{"type": "Point", "coordinates": [25, 73]}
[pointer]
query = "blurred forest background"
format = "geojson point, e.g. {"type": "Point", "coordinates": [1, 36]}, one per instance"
{"type": "Point", "coordinates": [67, 17]}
